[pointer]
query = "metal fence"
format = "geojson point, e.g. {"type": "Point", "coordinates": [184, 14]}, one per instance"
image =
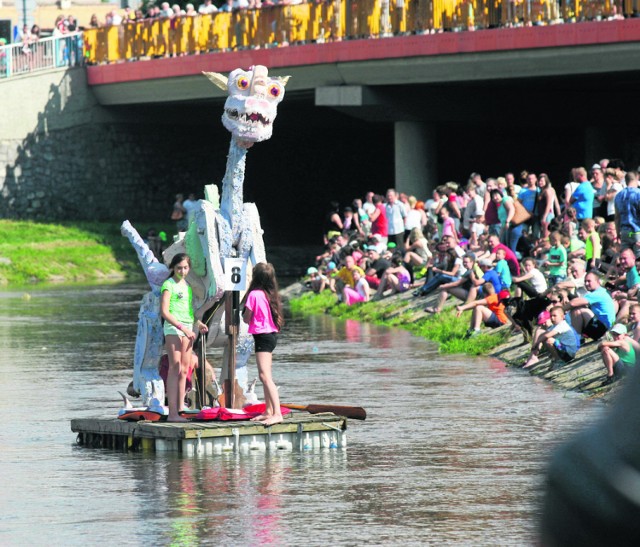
{"type": "Point", "coordinates": [45, 54]}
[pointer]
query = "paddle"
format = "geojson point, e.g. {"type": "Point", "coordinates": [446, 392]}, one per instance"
{"type": "Point", "coordinates": [355, 412]}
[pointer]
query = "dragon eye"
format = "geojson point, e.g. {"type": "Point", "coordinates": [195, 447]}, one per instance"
{"type": "Point", "coordinates": [274, 90]}
{"type": "Point", "coordinates": [243, 82]}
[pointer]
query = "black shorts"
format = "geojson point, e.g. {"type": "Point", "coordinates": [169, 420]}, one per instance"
{"type": "Point", "coordinates": [594, 329]}
{"type": "Point", "coordinates": [265, 342]}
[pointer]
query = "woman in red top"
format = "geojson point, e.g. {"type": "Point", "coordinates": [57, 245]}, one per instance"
{"type": "Point", "coordinates": [379, 224]}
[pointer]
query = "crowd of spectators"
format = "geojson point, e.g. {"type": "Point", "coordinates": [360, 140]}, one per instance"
{"type": "Point", "coordinates": [560, 267]}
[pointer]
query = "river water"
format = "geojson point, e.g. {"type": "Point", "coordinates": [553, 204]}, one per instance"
{"type": "Point", "coordinates": [453, 450]}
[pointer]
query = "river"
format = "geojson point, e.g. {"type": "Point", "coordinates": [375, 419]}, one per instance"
{"type": "Point", "coordinates": [453, 450]}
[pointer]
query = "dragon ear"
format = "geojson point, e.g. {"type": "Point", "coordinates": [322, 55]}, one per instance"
{"type": "Point", "coordinates": [218, 79]}
{"type": "Point", "coordinates": [282, 79]}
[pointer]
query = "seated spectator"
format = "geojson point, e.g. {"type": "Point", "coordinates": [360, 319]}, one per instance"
{"type": "Point", "coordinates": [445, 270]}
{"type": "Point", "coordinates": [502, 269]}
{"type": "Point", "coordinates": [557, 336]}
{"type": "Point", "coordinates": [344, 276]}
{"type": "Point", "coordinates": [633, 326]}
{"type": "Point", "coordinates": [618, 354]}
{"type": "Point", "coordinates": [417, 251]}
{"type": "Point", "coordinates": [532, 282]}
{"type": "Point", "coordinates": [488, 310]}
{"type": "Point", "coordinates": [318, 282]}
{"type": "Point", "coordinates": [575, 283]}
{"type": "Point", "coordinates": [396, 278]}
{"type": "Point", "coordinates": [459, 288]}
{"type": "Point", "coordinates": [628, 294]}
{"type": "Point", "coordinates": [376, 267]}
{"type": "Point", "coordinates": [359, 294]}
{"type": "Point", "coordinates": [493, 245]}
{"type": "Point", "coordinates": [594, 313]}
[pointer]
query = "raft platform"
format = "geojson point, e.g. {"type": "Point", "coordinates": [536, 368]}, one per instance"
{"type": "Point", "coordinates": [300, 431]}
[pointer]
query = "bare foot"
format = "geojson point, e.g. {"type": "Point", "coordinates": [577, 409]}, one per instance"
{"type": "Point", "coordinates": [260, 417]}
{"type": "Point", "coordinates": [272, 420]}
{"type": "Point", "coordinates": [531, 361]}
{"type": "Point", "coordinates": [176, 419]}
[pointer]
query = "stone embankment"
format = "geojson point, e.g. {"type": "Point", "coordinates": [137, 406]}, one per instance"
{"type": "Point", "coordinates": [585, 374]}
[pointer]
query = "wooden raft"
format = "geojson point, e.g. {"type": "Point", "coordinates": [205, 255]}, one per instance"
{"type": "Point", "coordinates": [299, 431]}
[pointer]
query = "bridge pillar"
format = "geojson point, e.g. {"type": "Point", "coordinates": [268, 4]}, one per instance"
{"type": "Point", "coordinates": [415, 158]}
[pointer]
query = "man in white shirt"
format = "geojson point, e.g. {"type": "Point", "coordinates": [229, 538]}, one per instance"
{"type": "Point", "coordinates": [207, 8]}
{"type": "Point", "coordinates": [395, 218]}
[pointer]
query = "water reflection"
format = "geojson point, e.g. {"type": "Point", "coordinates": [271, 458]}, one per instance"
{"type": "Point", "coordinates": [452, 452]}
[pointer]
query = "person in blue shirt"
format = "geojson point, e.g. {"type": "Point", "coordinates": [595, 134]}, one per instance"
{"type": "Point", "coordinates": [593, 314]}
{"type": "Point", "coordinates": [627, 214]}
{"type": "Point", "coordinates": [527, 197]}
{"type": "Point", "coordinates": [583, 196]}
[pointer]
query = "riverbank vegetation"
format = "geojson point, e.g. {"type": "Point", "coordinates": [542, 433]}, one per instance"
{"type": "Point", "coordinates": [34, 252]}
{"type": "Point", "coordinates": [445, 328]}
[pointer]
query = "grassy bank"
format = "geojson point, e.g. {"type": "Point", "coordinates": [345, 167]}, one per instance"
{"type": "Point", "coordinates": [32, 252]}
{"type": "Point", "coordinates": [401, 311]}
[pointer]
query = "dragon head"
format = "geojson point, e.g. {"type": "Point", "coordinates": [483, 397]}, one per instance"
{"type": "Point", "coordinates": [252, 104]}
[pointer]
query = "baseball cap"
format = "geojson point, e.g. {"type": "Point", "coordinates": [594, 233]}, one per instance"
{"type": "Point", "coordinates": [485, 262]}
{"type": "Point", "coordinates": [619, 328]}
{"type": "Point", "coordinates": [543, 317]}
{"type": "Point", "coordinates": [595, 166]}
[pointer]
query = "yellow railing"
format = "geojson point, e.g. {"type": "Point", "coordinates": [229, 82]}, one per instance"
{"type": "Point", "coordinates": [331, 20]}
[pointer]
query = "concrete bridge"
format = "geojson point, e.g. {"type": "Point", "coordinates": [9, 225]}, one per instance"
{"type": "Point", "coordinates": [409, 111]}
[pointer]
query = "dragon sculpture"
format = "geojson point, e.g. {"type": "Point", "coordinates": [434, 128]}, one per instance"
{"type": "Point", "coordinates": [231, 231]}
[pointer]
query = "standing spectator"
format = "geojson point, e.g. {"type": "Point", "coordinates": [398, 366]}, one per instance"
{"type": "Point", "coordinates": [207, 8]}
{"type": "Point", "coordinates": [556, 259]}
{"type": "Point", "coordinates": [613, 187]}
{"type": "Point", "coordinates": [599, 191]}
{"type": "Point", "coordinates": [416, 218]}
{"type": "Point", "coordinates": [570, 188]}
{"type": "Point", "coordinates": [491, 220]}
{"type": "Point", "coordinates": [472, 226]}
{"type": "Point", "coordinates": [528, 196]}
{"type": "Point", "coordinates": [93, 22]}
{"type": "Point", "coordinates": [378, 218]}
{"type": "Point", "coordinates": [448, 225]}
{"type": "Point", "coordinates": [592, 249]}
{"type": "Point", "coordinates": [594, 313]}
{"type": "Point", "coordinates": [178, 214]}
{"type": "Point", "coordinates": [333, 223]}
{"type": "Point", "coordinates": [548, 204]}
{"type": "Point", "coordinates": [583, 196]}
{"type": "Point", "coordinates": [190, 205]}
{"type": "Point", "coordinates": [479, 185]}
{"type": "Point", "coordinates": [627, 207]}
{"type": "Point", "coordinates": [506, 210]}
{"type": "Point", "coordinates": [395, 217]}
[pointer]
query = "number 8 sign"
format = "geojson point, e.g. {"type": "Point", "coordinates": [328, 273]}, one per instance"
{"type": "Point", "coordinates": [235, 274]}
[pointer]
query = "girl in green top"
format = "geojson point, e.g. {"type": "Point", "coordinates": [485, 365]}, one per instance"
{"type": "Point", "coordinates": [177, 311]}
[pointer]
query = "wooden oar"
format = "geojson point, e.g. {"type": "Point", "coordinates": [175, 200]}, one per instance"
{"type": "Point", "coordinates": [355, 412]}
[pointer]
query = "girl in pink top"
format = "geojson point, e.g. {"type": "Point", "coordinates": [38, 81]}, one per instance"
{"type": "Point", "coordinates": [263, 313]}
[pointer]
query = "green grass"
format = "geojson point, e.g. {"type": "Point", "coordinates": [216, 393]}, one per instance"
{"type": "Point", "coordinates": [446, 329]}
{"type": "Point", "coordinates": [33, 252]}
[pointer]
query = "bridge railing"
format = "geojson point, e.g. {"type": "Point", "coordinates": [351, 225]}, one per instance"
{"type": "Point", "coordinates": [331, 20]}
{"type": "Point", "coordinates": [46, 53]}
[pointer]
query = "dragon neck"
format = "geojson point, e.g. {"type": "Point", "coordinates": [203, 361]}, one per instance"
{"type": "Point", "coordinates": [232, 197]}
